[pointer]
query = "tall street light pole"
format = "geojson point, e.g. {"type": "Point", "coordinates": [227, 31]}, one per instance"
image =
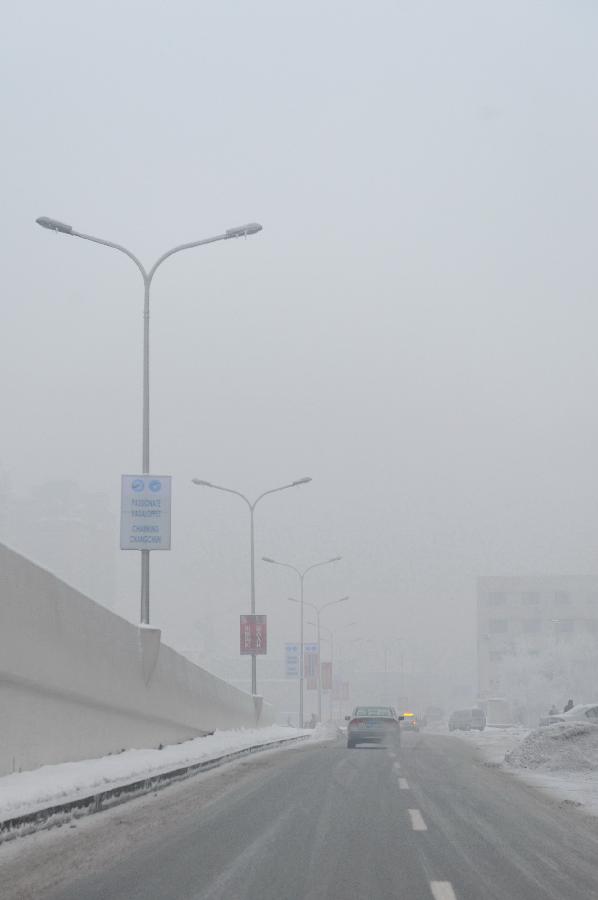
{"type": "Point", "coordinates": [217, 487]}
{"type": "Point", "coordinates": [301, 575]}
{"type": "Point", "coordinates": [319, 610]}
{"type": "Point", "coordinates": [147, 275]}
{"type": "Point", "coordinates": [330, 633]}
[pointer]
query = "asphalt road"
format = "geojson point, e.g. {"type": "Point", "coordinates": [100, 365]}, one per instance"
{"type": "Point", "coordinates": [322, 822]}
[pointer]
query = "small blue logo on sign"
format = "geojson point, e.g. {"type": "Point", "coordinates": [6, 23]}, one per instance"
{"type": "Point", "coordinates": [155, 485]}
{"type": "Point", "coordinates": [137, 484]}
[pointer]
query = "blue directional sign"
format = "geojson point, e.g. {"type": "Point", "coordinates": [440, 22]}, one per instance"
{"type": "Point", "coordinates": [145, 512]}
{"type": "Point", "coordinates": [292, 660]}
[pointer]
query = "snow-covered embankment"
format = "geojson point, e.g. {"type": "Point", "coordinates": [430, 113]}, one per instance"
{"type": "Point", "coordinates": [26, 792]}
{"type": "Point", "coordinates": [561, 759]}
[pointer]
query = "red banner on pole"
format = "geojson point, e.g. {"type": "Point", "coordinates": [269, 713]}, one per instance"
{"type": "Point", "coordinates": [340, 690]}
{"type": "Point", "coordinates": [326, 676]}
{"type": "Point", "coordinates": [311, 665]}
{"type": "Point", "coordinates": [253, 635]}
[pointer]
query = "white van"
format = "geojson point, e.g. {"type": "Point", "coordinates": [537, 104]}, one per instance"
{"type": "Point", "coordinates": [467, 720]}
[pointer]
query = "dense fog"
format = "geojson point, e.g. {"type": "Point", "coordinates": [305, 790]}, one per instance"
{"type": "Point", "coordinates": [414, 328]}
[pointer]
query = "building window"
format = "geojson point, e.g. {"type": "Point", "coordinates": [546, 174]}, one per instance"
{"type": "Point", "coordinates": [532, 626]}
{"type": "Point", "coordinates": [530, 597]}
{"type": "Point", "coordinates": [564, 626]}
{"type": "Point", "coordinates": [496, 598]}
{"type": "Point", "coordinates": [496, 656]}
{"type": "Point", "coordinates": [562, 598]}
{"type": "Point", "coordinates": [498, 626]}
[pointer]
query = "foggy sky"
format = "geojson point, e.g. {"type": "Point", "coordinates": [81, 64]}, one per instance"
{"type": "Point", "coordinates": [415, 328]}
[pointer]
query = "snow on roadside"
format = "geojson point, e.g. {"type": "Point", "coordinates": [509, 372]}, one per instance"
{"type": "Point", "coordinates": [26, 792]}
{"type": "Point", "coordinates": [569, 746]}
{"type": "Point", "coordinates": [325, 731]}
{"type": "Point", "coordinates": [560, 759]}
{"type": "Point", "coordinates": [493, 743]}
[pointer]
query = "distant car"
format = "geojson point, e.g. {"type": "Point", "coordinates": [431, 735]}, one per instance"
{"type": "Point", "coordinates": [434, 714]}
{"type": "Point", "coordinates": [410, 722]}
{"type": "Point", "coordinates": [373, 725]}
{"type": "Point", "coordinates": [467, 720]}
{"type": "Point", "coordinates": [583, 712]}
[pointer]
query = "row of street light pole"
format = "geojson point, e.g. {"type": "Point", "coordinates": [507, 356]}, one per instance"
{"type": "Point", "coordinates": [301, 575]}
{"type": "Point", "coordinates": [200, 482]}
{"type": "Point", "coordinates": [217, 487]}
{"type": "Point", "coordinates": [318, 611]}
{"type": "Point", "coordinates": [147, 275]}
{"type": "Point", "coordinates": [319, 628]}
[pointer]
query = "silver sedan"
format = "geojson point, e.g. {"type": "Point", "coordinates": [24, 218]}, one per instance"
{"type": "Point", "coordinates": [373, 725]}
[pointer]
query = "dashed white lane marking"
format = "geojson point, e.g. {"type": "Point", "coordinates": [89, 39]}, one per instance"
{"type": "Point", "coordinates": [392, 755]}
{"type": "Point", "coordinates": [417, 820]}
{"type": "Point", "coordinates": [442, 890]}
{"type": "Point", "coordinates": [396, 766]}
{"type": "Point", "coordinates": [403, 784]}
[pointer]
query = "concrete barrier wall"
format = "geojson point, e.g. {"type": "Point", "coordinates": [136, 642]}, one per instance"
{"type": "Point", "coordinates": [78, 681]}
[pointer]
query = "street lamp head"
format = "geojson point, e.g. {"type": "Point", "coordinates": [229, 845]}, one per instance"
{"type": "Point", "coordinates": [335, 559]}
{"type": "Point", "coordinates": [54, 225]}
{"type": "Point", "coordinates": [268, 559]}
{"type": "Point", "coordinates": [293, 600]}
{"type": "Point", "coordinates": [243, 230]}
{"type": "Point", "coordinates": [201, 482]}
{"type": "Point", "coordinates": [301, 481]}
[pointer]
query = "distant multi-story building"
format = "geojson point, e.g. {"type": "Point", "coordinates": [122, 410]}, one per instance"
{"type": "Point", "coordinates": [530, 614]}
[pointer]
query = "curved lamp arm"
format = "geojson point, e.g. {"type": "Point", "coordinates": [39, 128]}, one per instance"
{"type": "Point", "coordinates": [275, 562]}
{"type": "Point", "coordinates": [305, 603]}
{"type": "Point", "coordinates": [63, 228]}
{"type": "Point", "coordinates": [218, 487]}
{"type": "Point", "coordinates": [283, 487]}
{"type": "Point", "coordinates": [323, 563]}
{"type": "Point", "coordinates": [211, 240]}
{"type": "Point", "coordinates": [332, 602]}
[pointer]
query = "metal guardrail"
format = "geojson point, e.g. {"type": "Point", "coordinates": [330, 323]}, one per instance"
{"type": "Point", "coordinates": [61, 813]}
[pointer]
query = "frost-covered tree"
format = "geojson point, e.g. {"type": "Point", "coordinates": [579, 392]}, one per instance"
{"type": "Point", "coordinates": [535, 677]}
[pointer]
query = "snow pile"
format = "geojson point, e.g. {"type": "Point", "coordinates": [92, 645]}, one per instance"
{"type": "Point", "coordinates": [569, 747]}
{"type": "Point", "coordinates": [325, 731]}
{"type": "Point", "coordinates": [26, 792]}
{"type": "Point", "coordinates": [493, 743]}
{"type": "Point", "coordinates": [560, 760]}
